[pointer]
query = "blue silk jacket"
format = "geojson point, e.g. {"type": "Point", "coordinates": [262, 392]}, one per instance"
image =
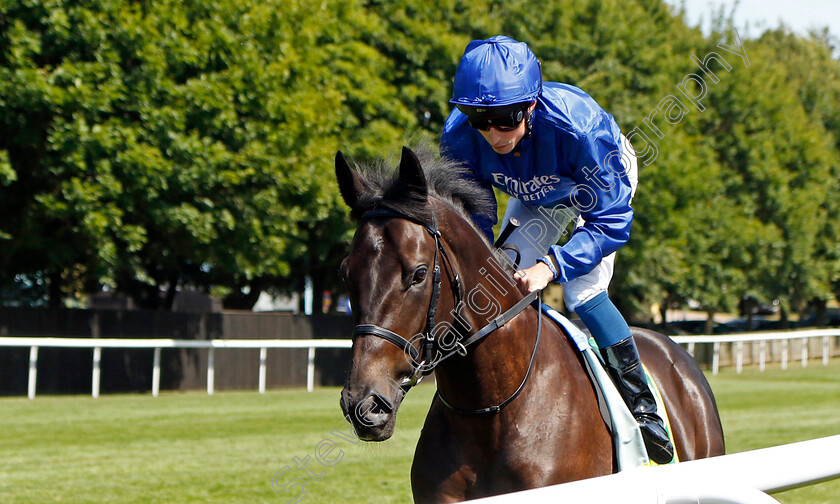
{"type": "Point", "coordinates": [571, 160]}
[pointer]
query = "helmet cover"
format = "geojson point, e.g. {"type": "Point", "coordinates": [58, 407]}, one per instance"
{"type": "Point", "coordinates": [496, 72]}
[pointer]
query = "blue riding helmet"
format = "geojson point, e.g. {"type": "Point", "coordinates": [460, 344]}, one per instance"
{"type": "Point", "coordinates": [497, 72]}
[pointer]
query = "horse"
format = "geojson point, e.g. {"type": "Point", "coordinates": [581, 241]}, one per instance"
{"type": "Point", "coordinates": [514, 408]}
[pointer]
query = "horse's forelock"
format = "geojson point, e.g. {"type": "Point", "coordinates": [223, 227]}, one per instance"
{"type": "Point", "coordinates": [447, 180]}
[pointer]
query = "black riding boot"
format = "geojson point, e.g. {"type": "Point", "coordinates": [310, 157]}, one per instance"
{"type": "Point", "coordinates": [626, 370]}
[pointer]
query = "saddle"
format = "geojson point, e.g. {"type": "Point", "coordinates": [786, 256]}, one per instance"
{"type": "Point", "coordinates": [628, 446]}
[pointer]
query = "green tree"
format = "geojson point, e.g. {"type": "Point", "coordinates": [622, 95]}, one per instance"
{"type": "Point", "coordinates": [814, 74]}
{"type": "Point", "coordinates": [148, 147]}
{"type": "Point", "coordinates": [779, 169]}
{"type": "Point", "coordinates": [174, 144]}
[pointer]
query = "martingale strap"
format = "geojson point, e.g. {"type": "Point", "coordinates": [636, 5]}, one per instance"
{"type": "Point", "coordinates": [494, 324]}
{"type": "Point", "coordinates": [497, 408]}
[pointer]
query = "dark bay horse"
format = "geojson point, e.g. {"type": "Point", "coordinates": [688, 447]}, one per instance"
{"type": "Point", "coordinates": [515, 409]}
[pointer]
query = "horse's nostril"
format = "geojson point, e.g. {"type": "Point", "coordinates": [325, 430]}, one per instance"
{"type": "Point", "coordinates": [382, 404]}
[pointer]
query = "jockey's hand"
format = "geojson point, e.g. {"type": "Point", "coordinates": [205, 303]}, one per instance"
{"type": "Point", "coordinates": [537, 277]}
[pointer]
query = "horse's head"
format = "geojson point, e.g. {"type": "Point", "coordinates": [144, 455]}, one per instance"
{"type": "Point", "coordinates": [398, 272]}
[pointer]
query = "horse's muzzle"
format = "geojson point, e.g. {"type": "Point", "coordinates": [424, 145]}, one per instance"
{"type": "Point", "coordinates": [373, 414]}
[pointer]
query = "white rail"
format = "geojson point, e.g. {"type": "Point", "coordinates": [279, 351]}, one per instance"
{"type": "Point", "coordinates": [762, 338]}
{"type": "Point", "coordinates": [157, 344]}
{"type": "Point", "coordinates": [34, 343]}
{"type": "Point", "coordinates": [740, 478]}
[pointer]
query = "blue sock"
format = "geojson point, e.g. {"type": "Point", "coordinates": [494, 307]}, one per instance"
{"type": "Point", "coordinates": [604, 321]}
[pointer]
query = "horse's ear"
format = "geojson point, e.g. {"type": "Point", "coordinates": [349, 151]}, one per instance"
{"type": "Point", "coordinates": [350, 183]}
{"type": "Point", "coordinates": [411, 174]}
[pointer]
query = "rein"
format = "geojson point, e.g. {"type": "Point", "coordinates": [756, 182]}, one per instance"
{"type": "Point", "coordinates": [498, 407]}
{"type": "Point", "coordinates": [427, 347]}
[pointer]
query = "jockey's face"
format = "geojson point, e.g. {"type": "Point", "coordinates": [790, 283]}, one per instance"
{"type": "Point", "coordinates": [503, 142]}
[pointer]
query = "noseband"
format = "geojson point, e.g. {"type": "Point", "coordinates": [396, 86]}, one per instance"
{"type": "Point", "coordinates": [426, 363]}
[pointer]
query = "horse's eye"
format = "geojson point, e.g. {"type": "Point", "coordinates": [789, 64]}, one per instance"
{"type": "Point", "coordinates": [419, 275]}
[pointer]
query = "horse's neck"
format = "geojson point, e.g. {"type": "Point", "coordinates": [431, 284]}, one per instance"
{"type": "Point", "coordinates": [494, 367]}
{"type": "Point", "coordinates": [476, 262]}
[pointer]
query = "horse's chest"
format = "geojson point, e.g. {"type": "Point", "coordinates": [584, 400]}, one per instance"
{"type": "Point", "coordinates": [532, 451]}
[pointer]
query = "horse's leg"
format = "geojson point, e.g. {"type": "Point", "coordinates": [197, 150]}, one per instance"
{"type": "Point", "coordinates": [436, 475]}
{"type": "Point", "coordinates": [552, 433]}
{"type": "Point", "coordinates": [692, 410]}
{"type": "Point", "coordinates": [559, 435]}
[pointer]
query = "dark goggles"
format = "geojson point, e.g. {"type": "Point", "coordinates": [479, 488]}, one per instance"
{"type": "Point", "coordinates": [502, 118]}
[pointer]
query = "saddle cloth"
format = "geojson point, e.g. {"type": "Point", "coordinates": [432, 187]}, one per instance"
{"type": "Point", "coordinates": [627, 438]}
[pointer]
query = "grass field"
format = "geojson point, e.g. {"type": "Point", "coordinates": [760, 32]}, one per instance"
{"type": "Point", "coordinates": [230, 447]}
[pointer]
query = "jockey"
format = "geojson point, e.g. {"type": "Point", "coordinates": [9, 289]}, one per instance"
{"type": "Point", "coordinates": [560, 157]}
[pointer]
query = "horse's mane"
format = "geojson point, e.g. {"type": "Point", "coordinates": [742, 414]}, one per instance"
{"type": "Point", "coordinates": [447, 180]}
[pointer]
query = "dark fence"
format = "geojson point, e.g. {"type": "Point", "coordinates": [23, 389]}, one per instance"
{"type": "Point", "coordinates": [67, 370]}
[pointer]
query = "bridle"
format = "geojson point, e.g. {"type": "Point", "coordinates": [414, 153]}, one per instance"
{"type": "Point", "coordinates": [425, 364]}
{"type": "Point", "coordinates": [428, 344]}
